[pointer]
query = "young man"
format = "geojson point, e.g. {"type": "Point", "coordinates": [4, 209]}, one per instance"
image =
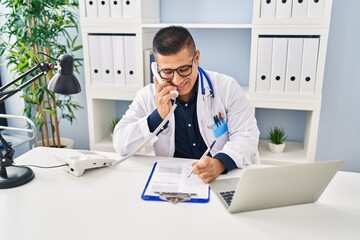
{"type": "Point", "coordinates": [211, 106]}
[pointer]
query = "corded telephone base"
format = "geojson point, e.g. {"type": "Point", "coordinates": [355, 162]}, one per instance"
{"type": "Point", "coordinates": [80, 160]}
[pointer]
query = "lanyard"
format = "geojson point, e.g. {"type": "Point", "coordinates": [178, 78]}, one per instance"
{"type": "Point", "coordinates": [202, 74]}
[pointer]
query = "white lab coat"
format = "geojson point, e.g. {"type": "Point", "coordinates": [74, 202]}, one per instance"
{"type": "Point", "coordinates": [240, 143]}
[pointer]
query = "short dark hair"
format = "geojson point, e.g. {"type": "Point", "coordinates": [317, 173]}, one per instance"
{"type": "Point", "coordinates": [171, 40]}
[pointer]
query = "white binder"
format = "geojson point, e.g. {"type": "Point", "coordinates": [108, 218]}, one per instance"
{"type": "Point", "coordinates": [268, 9]}
{"type": "Point", "coordinates": [116, 9]}
{"type": "Point", "coordinates": [283, 8]}
{"type": "Point", "coordinates": [104, 8]}
{"type": "Point", "coordinates": [95, 60]}
{"type": "Point", "coordinates": [148, 59]}
{"type": "Point", "coordinates": [309, 65]}
{"type": "Point", "coordinates": [293, 67]}
{"type": "Point", "coordinates": [316, 8]}
{"type": "Point", "coordinates": [131, 77]}
{"type": "Point", "coordinates": [263, 64]}
{"type": "Point", "coordinates": [91, 9]}
{"type": "Point", "coordinates": [106, 53]}
{"type": "Point", "coordinates": [128, 8]}
{"type": "Point", "coordinates": [300, 8]}
{"type": "Point", "coordinates": [278, 66]}
{"type": "Point", "coordinates": [119, 60]}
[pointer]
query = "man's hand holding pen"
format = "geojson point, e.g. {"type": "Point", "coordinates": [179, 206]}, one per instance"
{"type": "Point", "coordinates": [208, 168]}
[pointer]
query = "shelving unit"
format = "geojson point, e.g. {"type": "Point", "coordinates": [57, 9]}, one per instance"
{"type": "Point", "coordinates": [314, 23]}
{"type": "Point", "coordinates": [113, 18]}
{"type": "Point", "coordinates": [144, 20]}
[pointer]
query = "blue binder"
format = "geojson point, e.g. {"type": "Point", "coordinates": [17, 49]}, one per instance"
{"type": "Point", "coordinates": [170, 196]}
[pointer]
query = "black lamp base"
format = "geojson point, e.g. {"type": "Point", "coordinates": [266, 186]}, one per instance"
{"type": "Point", "coordinates": [13, 176]}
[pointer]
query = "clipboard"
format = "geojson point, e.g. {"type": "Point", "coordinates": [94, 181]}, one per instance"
{"type": "Point", "coordinates": [199, 194]}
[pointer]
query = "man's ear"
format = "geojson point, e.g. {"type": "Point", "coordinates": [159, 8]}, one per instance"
{"type": "Point", "coordinates": [197, 57]}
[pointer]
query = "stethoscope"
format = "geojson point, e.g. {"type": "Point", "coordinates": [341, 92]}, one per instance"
{"type": "Point", "coordinates": [203, 74]}
{"type": "Point", "coordinates": [208, 102]}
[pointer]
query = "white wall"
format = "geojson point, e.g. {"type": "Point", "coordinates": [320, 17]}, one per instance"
{"type": "Point", "coordinates": [339, 131]}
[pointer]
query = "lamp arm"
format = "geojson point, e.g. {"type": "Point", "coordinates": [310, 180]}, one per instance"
{"type": "Point", "coordinates": [19, 77]}
{"type": "Point", "coordinates": [6, 158]}
{"type": "Point", "coordinates": [44, 67]}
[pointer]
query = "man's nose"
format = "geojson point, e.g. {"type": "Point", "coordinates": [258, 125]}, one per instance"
{"type": "Point", "coordinates": [177, 79]}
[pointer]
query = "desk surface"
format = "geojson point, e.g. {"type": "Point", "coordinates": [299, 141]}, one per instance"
{"type": "Point", "coordinates": [106, 204]}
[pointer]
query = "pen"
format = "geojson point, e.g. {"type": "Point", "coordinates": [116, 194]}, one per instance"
{"type": "Point", "coordinates": [218, 120]}
{"type": "Point", "coordinates": [221, 117]}
{"type": "Point", "coordinates": [205, 154]}
{"type": "Point", "coordinates": [215, 121]}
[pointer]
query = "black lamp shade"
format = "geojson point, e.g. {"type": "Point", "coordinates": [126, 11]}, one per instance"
{"type": "Point", "coordinates": [64, 81]}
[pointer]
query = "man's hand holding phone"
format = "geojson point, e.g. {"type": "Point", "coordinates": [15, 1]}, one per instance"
{"type": "Point", "coordinates": [165, 91]}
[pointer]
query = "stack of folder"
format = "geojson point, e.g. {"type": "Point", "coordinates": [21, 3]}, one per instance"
{"type": "Point", "coordinates": [113, 60]}
{"type": "Point", "coordinates": [291, 8]}
{"type": "Point", "coordinates": [107, 9]}
{"type": "Point", "coordinates": [287, 64]}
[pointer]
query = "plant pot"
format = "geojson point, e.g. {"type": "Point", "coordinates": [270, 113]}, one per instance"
{"type": "Point", "coordinates": [276, 148]}
{"type": "Point", "coordinates": [65, 143]}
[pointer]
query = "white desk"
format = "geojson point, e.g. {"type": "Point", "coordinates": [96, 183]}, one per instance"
{"type": "Point", "coordinates": [106, 204]}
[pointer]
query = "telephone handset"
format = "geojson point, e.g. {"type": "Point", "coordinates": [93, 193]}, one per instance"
{"type": "Point", "coordinates": [159, 79]}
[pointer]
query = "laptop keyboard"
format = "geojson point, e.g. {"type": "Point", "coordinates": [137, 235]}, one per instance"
{"type": "Point", "coordinates": [227, 196]}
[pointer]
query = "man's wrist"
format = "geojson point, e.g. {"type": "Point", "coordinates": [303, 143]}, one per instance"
{"type": "Point", "coordinates": [227, 161]}
{"type": "Point", "coordinates": [154, 120]}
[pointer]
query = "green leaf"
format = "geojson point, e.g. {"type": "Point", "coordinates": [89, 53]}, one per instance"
{"type": "Point", "coordinates": [276, 135]}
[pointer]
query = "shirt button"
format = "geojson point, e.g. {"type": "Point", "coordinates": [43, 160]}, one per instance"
{"type": "Point", "coordinates": [186, 104]}
{"type": "Point", "coordinates": [194, 144]}
{"type": "Point", "coordinates": [189, 125]}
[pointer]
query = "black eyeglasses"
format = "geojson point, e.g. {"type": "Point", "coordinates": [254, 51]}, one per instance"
{"type": "Point", "coordinates": [183, 71]}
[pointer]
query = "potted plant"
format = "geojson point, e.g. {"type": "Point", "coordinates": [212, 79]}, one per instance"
{"type": "Point", "coordinates": [34, 26]}
{"type": "Point", "coordinates": [113, 124]}
{"type": "Point", "coordinates": [276, 137]}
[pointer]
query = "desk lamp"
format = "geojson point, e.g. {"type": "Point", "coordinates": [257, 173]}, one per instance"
{"type": "Point", "coordinates": [64, 82]}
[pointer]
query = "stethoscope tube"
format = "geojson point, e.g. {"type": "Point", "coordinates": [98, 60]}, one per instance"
{"type": "Point", "coordinates": [203, 73]}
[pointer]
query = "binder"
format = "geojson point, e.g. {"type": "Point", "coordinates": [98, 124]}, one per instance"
{"type": "Point", "coordinates": [130, 62]}
{"type": "Point", "coordinates": [293, 67]}
{"type": "Point", "coordinates": [116, 9]}
{"type": "Point", "coordinates": [95, 59]}
{"type": "Point", "coordinates": [278, 66]}
{"type": "Point", "coordinates": [316, 8]}
{"type": "Point", "coordinates": [263, 64]}
{"type": "Point", "coordinates": [283, 8]}
{"type": "Point", "coordinates": [91, 9]}
{"type": "Point", "coordinates": [309, 65]}
{"type": "Point", "coordinates": [177, 186]}
{"type": "Point", "coordinates": [148, 59]}
{"type": "Point", "coordinates": [106, 53]}
{"type": "Point", "coordinates": [104, 8]}
{"type": "Point", "coordinates": [267, 8]}
{"type": "Point", "coordinates": [118, 60]}
{"type": "Point", "coordinates": [128, 8]}
{"type": "Point", "coordinates": [300, 8]}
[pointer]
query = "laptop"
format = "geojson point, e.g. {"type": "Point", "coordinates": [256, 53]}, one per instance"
{"type": "Point", "coordinates": [262, 187]}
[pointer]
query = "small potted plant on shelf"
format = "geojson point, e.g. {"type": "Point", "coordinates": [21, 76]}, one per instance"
{"type": "Point", "coordinates": [276, 137]}
{"type": "Point", "coordinates": [113, 124]}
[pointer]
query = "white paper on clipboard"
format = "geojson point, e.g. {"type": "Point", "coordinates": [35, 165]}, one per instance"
{"type": "Point", "coordinates": [172, 177]}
